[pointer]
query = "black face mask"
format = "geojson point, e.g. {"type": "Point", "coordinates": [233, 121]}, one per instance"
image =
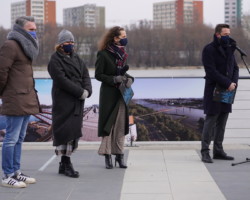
{"type": "Point", "coordinates": [124, 41]}
{"type": "Point", "coordinates": [225, 40]}
{"type": "Point", "coordinates": [68, 48]}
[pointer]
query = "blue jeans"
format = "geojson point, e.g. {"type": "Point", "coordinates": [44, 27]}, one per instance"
{"type": "Point", "coordinates": [16, 127]}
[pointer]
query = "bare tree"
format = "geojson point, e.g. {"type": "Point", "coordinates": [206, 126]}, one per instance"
{"type": "Point", "coordinates": [147, 47]}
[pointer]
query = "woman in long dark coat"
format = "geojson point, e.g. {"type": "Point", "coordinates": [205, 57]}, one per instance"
{"type": "Point", "coordinates": [113, 122]}
{"type": "Point", "coordinates": [71, 86]}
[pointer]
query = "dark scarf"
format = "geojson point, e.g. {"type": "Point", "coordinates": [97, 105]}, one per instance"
{"type": "Point", "coordinates": [119, 53]}
{"type": "Point", "coordinates": [27, 42]}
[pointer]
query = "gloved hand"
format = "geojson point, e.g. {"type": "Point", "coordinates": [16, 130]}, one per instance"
{"type": "Point", "coordinates": [118, 79]}
{"type": "Point", "coordinates": [123, 70]}
{"type": "Point", "coordinates": [85, 94]}
{"type": "Point", "coordinates": [129, 82]}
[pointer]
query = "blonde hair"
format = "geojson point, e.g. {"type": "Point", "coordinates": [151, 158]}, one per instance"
{"type": "Point", "coordinates": [58, 47]}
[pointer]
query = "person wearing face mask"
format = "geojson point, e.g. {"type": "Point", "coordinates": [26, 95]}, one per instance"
{"type": "Point", "coordinates": [110, 70]}
{"type": "Point", "coordinates": [19, 97]}
{"type": "Point", "coordinates": [71, 86]}
{"type": "Point", "coordinates": [221, 70]}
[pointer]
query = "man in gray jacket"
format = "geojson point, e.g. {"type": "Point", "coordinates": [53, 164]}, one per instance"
{"type": "Point", "coordinates": [19, 98]}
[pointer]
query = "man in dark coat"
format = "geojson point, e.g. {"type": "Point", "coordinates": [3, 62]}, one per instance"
{"type": "Point", "coordinates": [221, 71]}
{"type": "Point", "coordinates": [19, 96]}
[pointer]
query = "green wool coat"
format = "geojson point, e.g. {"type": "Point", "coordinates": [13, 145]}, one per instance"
{"type": "Point", "coordinates": [105, 70]}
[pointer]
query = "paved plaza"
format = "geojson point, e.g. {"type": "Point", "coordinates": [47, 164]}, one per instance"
{"type": "Point", "coordinates": [156, 171]}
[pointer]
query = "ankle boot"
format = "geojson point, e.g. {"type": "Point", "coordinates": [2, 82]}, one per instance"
{"type": "Point", "coordinates": [61, 168]}
{"type": "Point", "coordinates": [120, 159]}
{"type": "Point", "coordinates": [108, 161]}
{"type": "Point", "coordinates": [64, 160]}
{"type": "Point", "coordinates": [69, 171]}
{"type": "Point", "coordinates": [66, 167]}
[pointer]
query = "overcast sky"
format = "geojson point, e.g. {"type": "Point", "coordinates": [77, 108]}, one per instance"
{"type": "Point", "coordinates": [120, 12]}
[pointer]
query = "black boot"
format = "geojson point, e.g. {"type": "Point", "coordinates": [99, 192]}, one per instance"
{"type": "Point", "coordinates": [69, 171]}
{"type": "Point", "coordinates": [64, 160]}
{"type": "Point", "coordinates": [66, 168]}
{"type": "Point", "coordinates": [120, 159]}
{"type": "Point", "coordinates": [205, 157]}
{"type": "Point", "coordinates": [61, 168]}
{"type": "Point", "coordinates": [108, 161]}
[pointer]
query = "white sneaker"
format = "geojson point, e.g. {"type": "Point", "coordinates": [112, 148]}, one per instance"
{"type": "Point", "coordinates": [12, 182]}
{"type": "Point", "coordinates": [25, 178]}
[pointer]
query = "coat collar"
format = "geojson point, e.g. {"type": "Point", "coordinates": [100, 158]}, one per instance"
{"type": "Point", "coordinates": [70, 60]}
{"type": "Point", "coordinates": [231, 48]}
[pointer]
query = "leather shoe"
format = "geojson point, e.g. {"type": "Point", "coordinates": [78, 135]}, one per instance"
{"type": "Point", "coordinates": [223, 157]}
{"type": "Point", "coordinates": [205, 157]}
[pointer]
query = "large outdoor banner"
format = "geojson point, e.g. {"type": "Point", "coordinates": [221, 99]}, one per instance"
{"type": "Point", "coordinates": [162, 109]}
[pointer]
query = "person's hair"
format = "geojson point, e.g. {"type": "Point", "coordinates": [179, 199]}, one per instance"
{"type": "Point", "coordinates": [24, 19]}
{"type": "Point", "coordinates": [108, 38]}
{"type": "Point", "coordinates": [219, 27]}
{"type": "Point", "coordinates": [58, 47]}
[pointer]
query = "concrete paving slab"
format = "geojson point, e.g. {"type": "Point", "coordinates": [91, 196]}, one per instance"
{"type": "Point", "coordinates": [147, 197]}
{"type": "Point", "coordinates": [196, 191]}
{"type": "Point", "coordinates": [145, 175]}
{"type": "Point", "coordinates": [146, 187]}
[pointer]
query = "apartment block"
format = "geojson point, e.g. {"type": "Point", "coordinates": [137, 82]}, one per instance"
{"type": "Point", "coordinates": [44, 11]}
{"type": "Point", "coordinates": [233, 12]}
{"type": "Point", "coordinates": [170, 14]}
{"type": "Point", "coordinates": [88, 15]}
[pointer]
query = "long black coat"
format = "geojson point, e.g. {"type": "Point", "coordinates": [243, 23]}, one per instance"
{"type": "Point", "coordinates": [109, 94]}
{"type": "Point", "coordinates": [221, 68]}
{"type": "Point", "coordinates": [70, 77]}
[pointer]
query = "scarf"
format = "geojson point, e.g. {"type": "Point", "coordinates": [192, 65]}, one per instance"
{"type": "Point", "coordinates": [119, 53]}
{"type": "Point", "coordinates": [28, 43]}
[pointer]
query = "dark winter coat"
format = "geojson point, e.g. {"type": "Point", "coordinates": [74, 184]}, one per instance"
{"type": "Point", "coordinates": [70, 77]}
{"type": "Point", "coordinates": [109, 94]}
{"type": "Point", "coordinates": [17, 87]}
{"type": "Point", "coordinates": [221, 68]}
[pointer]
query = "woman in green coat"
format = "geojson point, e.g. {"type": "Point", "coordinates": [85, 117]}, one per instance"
{"type": "Point", "coordinates": [111, 69]}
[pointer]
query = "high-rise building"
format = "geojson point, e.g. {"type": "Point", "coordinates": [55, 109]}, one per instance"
{"type": "Point", "coordinates": [44, 11]}
{"type": "Point", "coordinates": [88, 15]}
{"type": "Point", "coordinates": [233, 12]}
{"type": "Point", "coordinates": [169, 14]}
{"type": "Point", "coordinates": [198, 11]}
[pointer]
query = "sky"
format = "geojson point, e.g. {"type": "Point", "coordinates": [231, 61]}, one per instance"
{"type": "Point", "coordinates": [120, 12]}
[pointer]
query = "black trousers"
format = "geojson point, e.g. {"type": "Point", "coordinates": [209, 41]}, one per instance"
{"type": "Point", "coordinates": [214, 127]}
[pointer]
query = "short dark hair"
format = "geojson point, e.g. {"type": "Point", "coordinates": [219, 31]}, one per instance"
{"type": "Point", "coordinates": [24, 19]}
{"type": "Point", "coordinates": [219, 27]}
